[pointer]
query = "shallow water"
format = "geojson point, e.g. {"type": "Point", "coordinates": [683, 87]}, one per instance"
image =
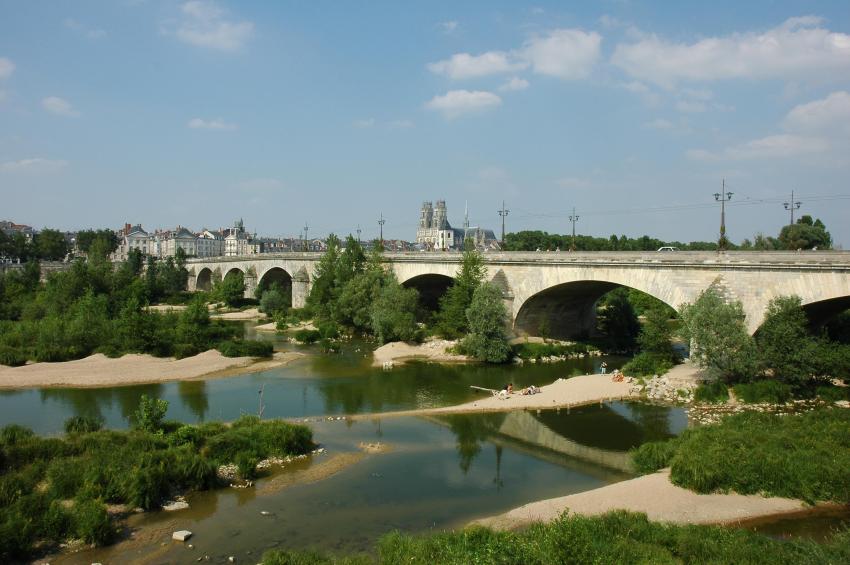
{"type": "Point", "coordinates": [440, 473]}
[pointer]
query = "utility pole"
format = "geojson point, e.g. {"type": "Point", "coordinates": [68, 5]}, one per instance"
{"type": "Point", "coordinates": [381, 223]}
{"type": "Point", "coordinates": [722, 197]}
{"type": "Point", "coordinates": [358, 233]}
{"type": "Point", "coordinates": [306, 227]}
{"type": "Point", "coordinates": [573, 219]}
{"type": "Point", "coordinates": [792, 206]}
{"type": "Point", "coordinates": [504, 214]}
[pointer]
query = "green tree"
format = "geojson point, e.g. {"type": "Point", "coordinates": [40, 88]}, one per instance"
{"type": "Point", "coordinates": [150, 414]}
{"type": "Point", "coordinates": [192, 329]}
{"type": "Point", "coordinates": [784, 344]}
{"type": "Point", "coordinates": [805, 234]}
{"type": "Point", "coordinates": [718, 336]}
{"type": "Point", "coordinates": [487, 318]}
{"type": "Point", "coordinates": [656, 335]}
{"type": "Point", "coordinates": [394, 312]}
{"type": "Point", "coordinates": [107, 240]}
{"type": "Point", "coordinates": [451, 320]}
{"type": "Point", "coordinates": [322, 296]}
{"type": "Point", "coordinates": [50, 245]}
{"type": "Point", "coordinates": [231, 289]}
{"type": "Point", "coordinates": [617, 320]}
{"type": "Point", "coordinates": [273, 301]}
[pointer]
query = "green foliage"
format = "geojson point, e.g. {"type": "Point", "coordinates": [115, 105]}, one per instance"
{"type": "Point", "coordinates": [322, 291]}
{"type": "Point", "coordinates": [50, 245]}
{"type": "Point", "coordinates": [307, 336]}
{"type": "Point", "coordinates": [11, 356]}
{"type": "Point", "coordinates": [719, 338]}
{"type": "Point", "coordinates": [543, 241]}
{"type": "Point", "coordinates": [91, 522]}
{"type": "Point", "coordinates": [451, 320]}
{"type": "Point", "coordinates": [394, 312]}
{"type": "Point", "coordinates": [246, 465]}
{"type": "Point", "coordinates": [231, 289]}
{"type": "Point", "coordinates": [274, 301]}
{"type": "Point", "coordinates": [647, 363]}
{"type": "Point", "coordinates": [784, 344]}
{"type": "Point", "coordinates": [246, 348]}
{"type": "Point", "coordinates": [653, 455]}
{"type": "Point", "coordinates": [104, 238]}
{"type": "Point", "coordinates": [715, 392]}
{"type": "Point", "coordinates": [615, 537]}
{"type": "Point", "coordinates": [150, 414]}
{"type": "Point", "coordinates": [831, 393]}
{"type": "Point", "coordinates": [527, 351]}
{"type": "Point", "coordinates": [487, 318]}
{"type": "Point", "coordinates": [766, 390]}
{"type": "Point", "coordinates": [83, 424]}
{"type": "Point", "coordinates": [805, 234]}
{"type": "Point", "coordinates": [617, 320]}
{"type": "Point", "coordinates": [655, 333]}
{"type": "Point", "coordinates": [803, 456]}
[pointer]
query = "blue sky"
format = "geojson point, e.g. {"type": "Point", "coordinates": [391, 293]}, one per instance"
{"type": "Point", "coordinates": [284, 113]}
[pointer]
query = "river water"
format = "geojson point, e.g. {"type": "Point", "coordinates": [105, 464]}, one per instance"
{"type": "Point", "coordinates": [437, 473]}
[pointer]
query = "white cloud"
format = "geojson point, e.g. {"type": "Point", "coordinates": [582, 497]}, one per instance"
{"type": "Point", "coordinates": [448, 27]}
{"type": "Point", "coordinates": [458, 102]}
{"type": "Point", "coordinates": [59, 106]}
{"type": "Point", "coordinates": [364, 123]}
{"type": "Point", "coordinates": [563, 53]}
{"type": "Point", "coordinates": [401, 124]}
{"type": "Point", "coordinates": [83, 29]}
{"type": "Point", "coordinates": [797, 49]}
{"type": "Point", "coordinates": [205, 24]}
{"type": "Point", "coordinates": [216, 124]}
{"type": "Point", "coordinates": [34, 165]}
{"type": "Point", "coordinates": [514, 84]}
{"type": "Point", "coordinates": [464, 65]}
{"type": "Point", "coordinates": [830, 114]}
{"type": "Point", "coordinates": [660, 124]}
{"type": "Point", "coordinates": [814, 127]}
{"type": "Point", "coordinates": [7, 67]}
{"type": "Point", "coordinates": [771, 147]}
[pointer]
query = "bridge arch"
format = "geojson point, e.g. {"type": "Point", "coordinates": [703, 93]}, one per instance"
{"type": "Point", "coordinates": [567, 310]}
{"type": "Point", "coordinates": [232, 272]}
{"type": "Point", "coordinates": [431, 288]}
{"type": "Point", "coordinates": [204, 279]}
{"type": "Point", "coordinates": [275, 277]}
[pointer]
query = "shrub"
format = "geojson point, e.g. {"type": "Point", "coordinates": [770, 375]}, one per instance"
{"type": "Point", "coordinates": [11, 356]}
{"type": "Point", "coordinates": [183, 350]}
{"type": "Point", "coordinates": [653, 455]}
{"type": "Point", "coordinates": [715, 392]}
{"type": "Point", "coordinates": [833, 393]}
{"type": "Point", "coordinates": [91, 522]}
{"type": "Point", "coordinates": [148, 417]}
{"type": "Point", "coordinates": [646, 364]}
{"type": "Point", "coordinates": [765, 390]}
{"type": "Point", "coordinates": [246, 348]}
{"type": "Point", "coordinates": [65, 477]}
{"type": "Point", "coordinates": [307, 336]}
{"type": "Point", "coordinates": [246, 465]}
{"type": "Point", "coordinates": [83, 424]}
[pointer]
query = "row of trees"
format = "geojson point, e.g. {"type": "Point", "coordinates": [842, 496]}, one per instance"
{"type": "Point", "coordinates": [806, 233]}
{"type": "Point", "coordinates": [783, 349]}
{"type": "Point", "coordinates": [51, 245]}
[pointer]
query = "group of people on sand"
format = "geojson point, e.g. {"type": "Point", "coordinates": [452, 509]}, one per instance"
{"type": "Point", "coordinates": [616, 376]}
{"type": "Point", "coordinates": [508, 390]}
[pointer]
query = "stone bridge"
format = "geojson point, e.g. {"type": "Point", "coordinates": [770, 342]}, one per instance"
{"type": "Point", "coordinates": [560, 289]}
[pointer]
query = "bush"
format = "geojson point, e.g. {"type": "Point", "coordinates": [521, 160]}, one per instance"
{"type": "Point", "coordinates": [528, 351]}
{"type": "Point", "coordinates": [83, 424]}
{"type": "Point", "coordinates": [246, 348]}
{"type": "Point", "coordinates": [766, 390]}
{"type": "Point", "coordinates": [307, 336]}
{"type": "Point", "coordinates": [653, 455]}
{"type": "Point", "coordinates": [486, 317]}
{"type": "Point", "coordinates": [150, 414]}
{"type": "Point", "coordinates": [833, 393]}
{"type": "Point", "coordinates": [246, 465]}
{"type": "Point", "coordinates": [11, 356]}
{"type": "Point", "coordinates": [715, 392]}
{"type": "Point", "coordinates": [646, 364]}
{"type": "Point", "coordinates": [91, 522]}
{"type": "Point", "coordinates": [65, 477]}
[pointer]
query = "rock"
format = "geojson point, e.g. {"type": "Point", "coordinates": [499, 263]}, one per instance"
{"type": "Point", "coordinates": [181, 535]}
{"type": "Point", "coordinates": [175, 505]}
{"type": "Point", "coordinates": [231, 559]}
{"type": "Point", "coordinates": [265, 513]}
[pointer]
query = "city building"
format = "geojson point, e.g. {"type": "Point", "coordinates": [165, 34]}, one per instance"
{"type": "Point", "coordinates": [181, 238]}
{"type": "Point", "coordinates": [435, 233]}
{"type": "Point", "coordinates": [238, 242]}
{"type": "Point", "coordinates": [210, 243]}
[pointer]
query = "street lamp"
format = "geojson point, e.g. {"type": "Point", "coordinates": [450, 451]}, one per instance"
{"type": "Point", "coordinates": [792, 206]}
{"type": "Point", "coordinates": [573, 219]}
{"type": "Point", "coordinates": [722, 197]}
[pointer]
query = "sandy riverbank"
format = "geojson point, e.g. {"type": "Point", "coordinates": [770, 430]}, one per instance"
{"type": "Point", "coordinates": [101, 371]}
{"type": "Point", "coordinates": [241, 315]}
{"type": "Point", "coordinates": [431, 350]}
{"type": "Point", "coordinates": [655, 496]}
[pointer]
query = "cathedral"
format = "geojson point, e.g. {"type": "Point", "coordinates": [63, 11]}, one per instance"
{"type": "Point", "coordinates": [435, 232]}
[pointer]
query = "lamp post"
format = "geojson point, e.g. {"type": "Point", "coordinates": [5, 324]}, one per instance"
{"type": "Point", "coordinates": [792, 206]}
{"type": "Point", "coordinates": [573, 219]}
{"type": "Point", "coordinates": [381, 223]}
{"type": "Point", "coordinates": [503, 213]}
{"type": "Point", "coordinates": [722, 197]}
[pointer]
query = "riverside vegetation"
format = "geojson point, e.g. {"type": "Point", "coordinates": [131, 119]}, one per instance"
{"type": "Point", "coordinates": [616, 537]}
{"type": "Point", "coordinates": [98, 307]}
{"type": "Point", "coordinates": [53, 489]}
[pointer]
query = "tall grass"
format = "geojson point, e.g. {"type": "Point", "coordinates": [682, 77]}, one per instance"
{"type": "Point", "coordinates": [617, 537]}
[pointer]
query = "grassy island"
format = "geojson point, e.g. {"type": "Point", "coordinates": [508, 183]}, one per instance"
{"type": "Point", "coordinates": [57, 488]}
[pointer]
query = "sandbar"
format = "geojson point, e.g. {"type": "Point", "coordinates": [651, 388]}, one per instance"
{"type": "Point", "coordinates": [99, 370]}
{"type": "Point", "coordinates": [431, 350]}
{"type": "Point", "coordinates": [655, 496]}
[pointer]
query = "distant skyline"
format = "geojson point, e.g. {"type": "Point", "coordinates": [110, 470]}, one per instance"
{"type": "Point", "coordinates": [166, 112]}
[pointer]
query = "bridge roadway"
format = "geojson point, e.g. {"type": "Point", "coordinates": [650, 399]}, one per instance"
{"type": "Point", "coordinates": [559, 290]}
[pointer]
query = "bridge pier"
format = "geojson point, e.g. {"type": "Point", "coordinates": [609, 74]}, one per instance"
{"type": "Point", "coordinates": [300, 288]}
